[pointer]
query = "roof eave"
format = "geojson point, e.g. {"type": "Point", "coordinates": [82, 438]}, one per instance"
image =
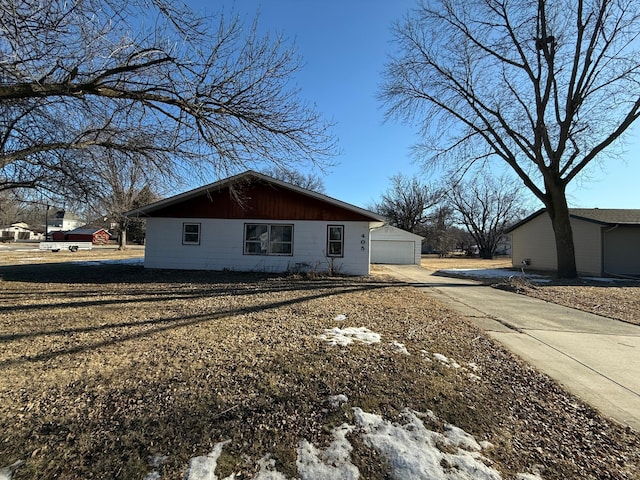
{"type": "Point", "coordinates": [147, 209]}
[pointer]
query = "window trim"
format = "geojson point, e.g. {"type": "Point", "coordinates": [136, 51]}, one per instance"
{"type": "Point", "coordinates": [185, 233]}
{"type": "Point", "coordinates": [330, 241]}
{"type": "Point", "coordinates": [268, 251]}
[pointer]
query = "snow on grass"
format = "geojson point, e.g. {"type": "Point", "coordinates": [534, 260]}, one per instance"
{"type": "Point", "coordinates": [413, 452]}
{"type": "Point", "coordinates": [122, 261]}
{"type": "Point", "coordinates": [346, 336]}
{"type": "Point", "coordinates": [7, 472]}
{"type": "Point", "coordinates": [495, 273]}
{"type": "Point", "coordinates": [204, 467]}
{"type": "Point", "coordinates": [410, 449]}
{"type": "Point", "coordinates": [400, 347]}
{"type": "Point", "coordinates": [334, 463]}
{"type": "Point", "coordinates": [336, 400]}
{"type": "Point", "coordinates": [340, 318]}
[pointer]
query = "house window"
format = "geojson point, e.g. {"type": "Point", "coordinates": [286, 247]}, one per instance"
{"type": "Point", "coordinates": [335, 240]}
{"type": "Point", "coordinates": [191, 234]}
{"type": "Point", "coordinates": [267, 239]}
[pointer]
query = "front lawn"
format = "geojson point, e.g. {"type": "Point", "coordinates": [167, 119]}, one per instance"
{"type": "Point", "coordinates": [113, 371]}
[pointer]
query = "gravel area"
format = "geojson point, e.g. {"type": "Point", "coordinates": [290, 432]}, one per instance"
{"type": "Point", "coordinates": [114, 371]}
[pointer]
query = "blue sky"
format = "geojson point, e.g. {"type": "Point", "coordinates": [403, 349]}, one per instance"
{"type": "Point", "coordinates": [344, 45]}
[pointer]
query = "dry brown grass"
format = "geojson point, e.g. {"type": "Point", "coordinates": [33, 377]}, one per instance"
{"type": "Point", "coordinates": [435, 263]}
{"type": "Point", "coordinates": [104, 367]}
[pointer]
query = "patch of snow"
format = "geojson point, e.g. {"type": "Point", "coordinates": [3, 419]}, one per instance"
{"type": "Point", "coordinates": [495, 273]}
{"type": "Point", "coordinates": [336, 400]}
{"type": "Point", "coordinates": [155, 475]}
{"type": "Point", "coordinates": [459, 437]}
{"type": "Point", "coordinates": [425, 355]}
{"type": "Point", "coordinates": [399, 347]}
{"type": "Point", "coordinates": [412, 452]}
{"type": "Point", "coordinates": [340, 318]}
{"type": "Point", "coordinates": [332, 464]}
{"type": "Point", "coordinates": [123, 261]}
{"type": "Point", "coordinates": [204, 467]}
{"type": "Point", "coordinates": [441, 358]}
{"type": "Point", "coordinates": [603, 279]}
{"type": "Point", "coordinates": [7, 472]}
{"type": "Point", "coordinates": [484, 444]}
{"type": "Point", "coordinates": [336, 336]}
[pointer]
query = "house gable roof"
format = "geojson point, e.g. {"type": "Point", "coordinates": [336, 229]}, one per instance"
{"type": "Point", "coordinates": [603, 216]}
{"type": "Point", "coordinates": [390, 229]}
{"type": "Point", "coordinates": [256, 196]}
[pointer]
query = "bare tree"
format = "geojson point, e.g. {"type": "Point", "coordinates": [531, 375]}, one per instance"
{"type": "Point", "coordinates": [148, 79]}
{"type": "Point", "coordinates": [486, 207]}
{"type": "Point", "coordinates": [407, 202]}
{"type": "Point", "coordinates": [547, 87]}
{"type": "Point", "coordinates": [309, 181]}
{"type": "Point", "coordinates": [120, 182]}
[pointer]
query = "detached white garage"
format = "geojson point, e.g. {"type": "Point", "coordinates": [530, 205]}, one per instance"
{"type": "Point", "coordinates": [395, 246]}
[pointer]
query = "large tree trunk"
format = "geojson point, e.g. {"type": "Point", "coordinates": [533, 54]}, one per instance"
{"type": "Point", "coordinates": [559, 213]}
{"type": "Point", "coordinates": [122, 238]}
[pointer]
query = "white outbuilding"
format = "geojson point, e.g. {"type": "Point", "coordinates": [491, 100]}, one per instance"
{"type": "Point", "coordinates": [392, 245]}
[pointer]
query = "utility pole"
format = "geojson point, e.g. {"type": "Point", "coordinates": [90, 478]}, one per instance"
{"type": "Point", "coordinates": [46, 223]}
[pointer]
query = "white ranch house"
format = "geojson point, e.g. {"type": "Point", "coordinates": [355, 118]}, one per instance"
{"type": "Point", "coordinates": [273, 227]}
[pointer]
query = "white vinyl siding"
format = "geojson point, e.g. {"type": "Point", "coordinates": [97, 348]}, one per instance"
{"type": "Point", "coordinates": [222, 247]}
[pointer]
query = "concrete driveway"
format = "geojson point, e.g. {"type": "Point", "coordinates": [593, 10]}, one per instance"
{"type": "Point", "coordinates": [596, 358]}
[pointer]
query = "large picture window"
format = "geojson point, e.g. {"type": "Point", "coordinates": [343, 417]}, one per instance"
{"type": "Point", "coordinates": [191, 234]}
{"type": "Point", "coordinates": [335, 241]}
{"type": "Point", "coordinates": [268, 239]}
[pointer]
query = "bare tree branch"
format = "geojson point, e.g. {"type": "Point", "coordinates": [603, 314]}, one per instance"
{"type": "Point", "coordinates": [545, 87]}
{"type": "Point", "coordinates": [151, 78]}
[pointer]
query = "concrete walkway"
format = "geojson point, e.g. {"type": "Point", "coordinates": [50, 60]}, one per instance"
{"type": "Point", "coordinates": [596, 358]}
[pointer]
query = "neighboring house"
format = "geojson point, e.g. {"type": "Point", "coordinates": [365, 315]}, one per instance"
{"type": "Point", "coordinates": [607, 241]}
{"type": "Point", "coordinates": [97, 236]}
{"type": "Point", "coordinates": [63, 220]}
{"type": "Point", "coordinates": [252, 222]}
{"type": "Point", "coordinates": [393, 245]}
{"type": "Point", "coordinates": [17, 232]}
{"type": "Point", "coordinates": [503, 246]}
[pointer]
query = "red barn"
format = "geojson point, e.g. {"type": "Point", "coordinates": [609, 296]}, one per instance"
{"type": "Point", "coordinates": [97, 236]}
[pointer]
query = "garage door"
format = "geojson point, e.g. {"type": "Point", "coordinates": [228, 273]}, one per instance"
{"type": "Point", "coordinates": [394, 252]}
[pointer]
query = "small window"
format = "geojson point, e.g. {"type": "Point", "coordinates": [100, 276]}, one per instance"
{"type": "Point", "coordinates": [265, 239]}
{"type": "Point", "coordinates": [335, 241]}
{"type": "Point", "coordinates": [191, 234]}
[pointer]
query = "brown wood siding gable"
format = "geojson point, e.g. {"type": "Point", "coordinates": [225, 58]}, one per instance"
{"type": "Point", "coordinates": [260, 201]}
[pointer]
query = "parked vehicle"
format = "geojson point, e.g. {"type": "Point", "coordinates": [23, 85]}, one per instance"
{"type": "Point", "coordinates": [71, 246]}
